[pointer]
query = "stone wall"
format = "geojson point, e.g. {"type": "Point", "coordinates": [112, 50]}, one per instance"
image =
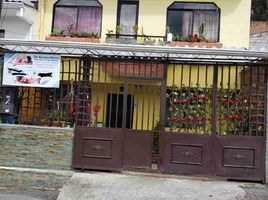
{"type": "Point", "coordinates": [36, 147]}
{"type": "Point", "coordinates": [32, 179]}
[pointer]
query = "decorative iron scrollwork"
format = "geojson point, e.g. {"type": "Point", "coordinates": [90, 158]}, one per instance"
{"type": "Point", "coordinates": [238, 156]}
{"type": "Point", "coordinates": [97, 148]}
{"type": "Point", "coordinates": [187, 154]}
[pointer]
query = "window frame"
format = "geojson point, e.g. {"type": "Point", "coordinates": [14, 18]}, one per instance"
{"type": "Point", "coordinates": [78, 7]}
{"type": "Point", "coordinates": [129, 2]}
{"type": "Point", "coordinates": [192, 10]}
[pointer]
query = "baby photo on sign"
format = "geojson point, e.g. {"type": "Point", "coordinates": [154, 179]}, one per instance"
{"type": "Point", "coordinates": [32, 70]}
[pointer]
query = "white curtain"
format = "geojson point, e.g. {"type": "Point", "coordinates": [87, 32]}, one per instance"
{"type": "Point", "coordinates": [128, 18]}
{"type": "Point", "coordinates": [210, 23]}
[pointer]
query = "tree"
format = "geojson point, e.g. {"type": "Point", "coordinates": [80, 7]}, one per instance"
{"type": "Point", "coordinates": [260, 10]}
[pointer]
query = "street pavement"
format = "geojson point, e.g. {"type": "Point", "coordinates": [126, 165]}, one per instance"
{"type": "Point", "coordinates": [133, 186]}
{"type": "Point", "coordinates": [143, 186]}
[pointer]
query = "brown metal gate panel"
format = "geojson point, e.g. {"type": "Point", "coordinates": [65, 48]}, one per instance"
{"type": "Point", "coordinates": [137, 149]}
{"type": "Point", "coordinates": [96, 148]}
{"type": "Point", "coordinates": [240, 158]}
{"type": "Point", "coordinates": [117, 110]}
{"type": "Point", "coordinates": [215, 121]}
{"type": "Point", "coordinates": [186, 153]}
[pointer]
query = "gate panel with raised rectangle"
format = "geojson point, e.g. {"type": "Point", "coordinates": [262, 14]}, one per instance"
{"type": "Point", "coordinates": [215, 121]}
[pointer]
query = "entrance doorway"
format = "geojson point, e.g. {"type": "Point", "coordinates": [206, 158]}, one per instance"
{"type": "Point", "coordinates": [114, 111]}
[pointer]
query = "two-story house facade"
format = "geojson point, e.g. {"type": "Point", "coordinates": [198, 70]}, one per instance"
{"type": "Point", "coordinates": [150, 85]}
{"type": "Point", "coordinates": [152, 18]}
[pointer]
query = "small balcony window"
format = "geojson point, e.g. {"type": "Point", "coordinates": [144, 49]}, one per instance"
{"type": "Point", "coordinates": [202, 19]}
{"type": "Point", "coordinates": [83, 16]}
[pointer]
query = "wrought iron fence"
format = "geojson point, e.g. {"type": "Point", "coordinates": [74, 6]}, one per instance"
{"type": "Point", "coordinates": [231, 98]}
{"type": "Point", "coordinates": [129, 94]}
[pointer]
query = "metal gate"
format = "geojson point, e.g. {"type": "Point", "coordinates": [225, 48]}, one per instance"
{"type": "Point", "coordinates": [118, 107]}
{"type": "Point", "coordinates": [215, 121]}
{"type": "Point", "coordinates": [211, 117]}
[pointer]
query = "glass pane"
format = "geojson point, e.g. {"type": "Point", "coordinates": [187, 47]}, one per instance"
{"type": "Point", "coordinates": [195, 6]}
{"type": "Point", "coordinates": [78, 3]}
{"type": "Point", "coordinates": [206, 24]}
{"type": "Point", "coordinates": [128, 18]}
{"type": "Point", "coordinates": [64, 18]}
{"type": "Point", "coordinates": [89, 20]}
{"type": "Point", "coordinates": [180, 22]}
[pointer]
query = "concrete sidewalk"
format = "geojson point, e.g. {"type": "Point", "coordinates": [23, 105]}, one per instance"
{"type": "Point", "coordinates": [110, 186]}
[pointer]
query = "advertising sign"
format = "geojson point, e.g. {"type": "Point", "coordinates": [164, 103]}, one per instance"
{"type": "Point", "coordinates": [31, 70]}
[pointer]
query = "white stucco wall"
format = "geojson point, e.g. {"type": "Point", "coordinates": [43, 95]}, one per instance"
{"type": "Point", "coordinates": [19, 26]}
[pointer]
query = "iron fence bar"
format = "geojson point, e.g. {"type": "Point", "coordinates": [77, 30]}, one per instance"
{"type": "Point", "coordinates": [188, 96]}
{"type": "Point", "coordinates": [125, 97]}
{"type": "Point", "coordinates": [98, 92]}
{"type": "Point", "coordinates": [180, 102]}
{"type": "Point", "coordinates": [243, 86]}
{"type": "Point", "coordinates": [228, 99]}
{"type": "Point", "coordinates": [111, 95]}
{"type": "Point", "coordinates": [105, 102]}
{"type": "Point", "coordinates": [197, 100]}
{"type": "Point", "coordinates": [214, 100]}
{"type": "Point", "coordinates": [221, 99]}
{"type": "Point", "coordinates": [163, 99]}
{"type": "Point", "coordinates": [236, 98]}
{"type": "Point", "coordinates": [250, 102]}
{"type": "Point", "coordinates": [117, 95]}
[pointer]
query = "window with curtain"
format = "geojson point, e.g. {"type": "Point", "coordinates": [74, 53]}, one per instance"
{"type": "Point", "coordinates": [83, 16]}
{"type": "Point", "coordinates": [186, 19]}
{"type": "Point", "coordinates": [127, 16]}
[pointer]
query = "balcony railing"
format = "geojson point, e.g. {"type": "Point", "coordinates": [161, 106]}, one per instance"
{"type": "Point", "coordinates": [135, 39]}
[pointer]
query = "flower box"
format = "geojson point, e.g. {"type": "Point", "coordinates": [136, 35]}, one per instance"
{"type": "Point", "coordinates": [73, 39]}
{"type": "Point", "coordinates": [195, 44]}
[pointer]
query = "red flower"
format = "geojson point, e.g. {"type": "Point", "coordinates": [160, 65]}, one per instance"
{"type": "Point", "coordinates": [88, 108]}
{"type": "Point", "coordinates": [196, 36]}
{"type": "Point", "coordinates": [191, 36]}
{"type": "Point", "coordinates": [96, 108]}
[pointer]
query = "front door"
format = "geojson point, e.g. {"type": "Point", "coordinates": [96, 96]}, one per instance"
{"type": "Point", "coordinates": [114, 111]}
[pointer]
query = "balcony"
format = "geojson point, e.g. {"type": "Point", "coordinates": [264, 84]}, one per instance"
{"type": "Point", "coordinates": [135, 39]}
{"type": "Point", "coordinates": [159, 41]}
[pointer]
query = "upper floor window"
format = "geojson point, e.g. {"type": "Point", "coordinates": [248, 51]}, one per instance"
{"type": "Point", "coordinates": [127, 16]}
{"type": "Point", "coordinates": [185, 19]}
{"type": "Point", "coordinates": [83, 16]}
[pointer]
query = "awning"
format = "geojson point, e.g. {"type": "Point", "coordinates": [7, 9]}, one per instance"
{"type": "Point", "coordinates": [142, 52]}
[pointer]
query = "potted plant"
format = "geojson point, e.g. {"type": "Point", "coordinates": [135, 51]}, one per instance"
{"type": "Point", "coordinates": [57, 33]}
{"type": "Point", "coordinates": [169, 35]}
{"type": "Point", "coordinates": [135, 29]}
{"type": "Point", "coordinates": [118, 30]}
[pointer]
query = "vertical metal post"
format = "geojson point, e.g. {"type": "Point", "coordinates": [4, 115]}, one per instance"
{"type": "Point", "coordinates": [214, 118]}
{"type": "Point", "coordinates": [162, 116]}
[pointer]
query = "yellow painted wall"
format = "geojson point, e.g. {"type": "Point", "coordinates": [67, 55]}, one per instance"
{"type": "Point", "coordinates": [146, 109]}
{"type": "Point", "coordinates": [234, 28]}
{"type": "Point", "coordinates": [188, 76]}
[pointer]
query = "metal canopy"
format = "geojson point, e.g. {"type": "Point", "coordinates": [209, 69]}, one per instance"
{"type": "Point", "coordinates": [119, 51]}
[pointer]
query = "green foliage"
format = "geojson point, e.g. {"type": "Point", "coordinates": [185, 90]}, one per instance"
{"type": "Point", "coordinates": [259, 10]}
{"type": "Point", "coordinates": [57, 32]}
